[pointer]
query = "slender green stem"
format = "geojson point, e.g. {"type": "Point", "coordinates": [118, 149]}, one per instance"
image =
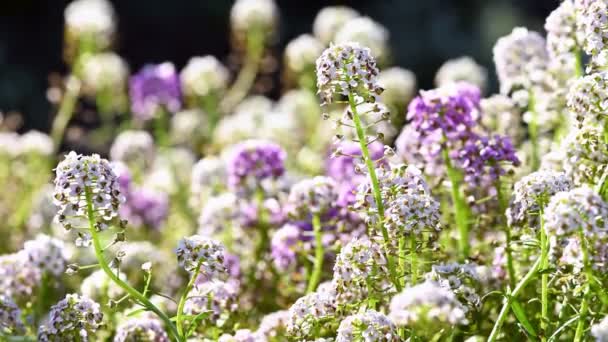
{"type": "Point", "coordinates": [66, 110]}
{"type": "Point", "coordinates": [461, 208]}
{"type": "Point", "coordinates": [507, 302]}
{"type": "Point", "coordinates": [182, 300]}
{"type": "Point", "coordinates": [247, 74]}
{"type": "Point", "coordinates": [580, 326]}
{"type": "Point", "coordinates": [375, 187]}
{"type": "Point", "coordinates": [533, 132]}
{"type": "Point", "coordinates": [401, 253]}
{"type": "Point", "coordinates": [544, 251]}
{"type": "Point", "coordinates": [502, 205]}
{"type": "Point", "coordinates": [413, 259]}
{"type": "Point", "coordinates": [319, 255]}
{"type": "Point", "coordinates": [144, 301]}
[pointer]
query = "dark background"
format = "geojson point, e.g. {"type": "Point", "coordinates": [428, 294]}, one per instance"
{"type": "Point", "coordinates": [424, 33]}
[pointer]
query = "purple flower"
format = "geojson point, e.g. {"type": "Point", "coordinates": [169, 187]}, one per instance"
{"type": "Point", "coordinates": [451, 110]}
{"type": "Point", "coordinates": [154, 87]}
{"type": "Point", "coordinates": [254, 161]}
{"type": "Point", "coordinates": [485, 156]}
{"type": "Point", "coordinates": [145, 207]}
{"type": "Point", "coordinates": [283, 246]}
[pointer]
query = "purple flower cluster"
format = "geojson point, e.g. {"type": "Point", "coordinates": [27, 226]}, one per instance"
{"type": "Point", "coordinates": [154, 87]}
{"type": "Point", "coordinates": [486, 155]}
{"type": "Point", "coordinates": [145, 207]}
{"type": "Point", "coordinates": [451, 110]}
{"type": "Point", "coordinates": [254, 161]}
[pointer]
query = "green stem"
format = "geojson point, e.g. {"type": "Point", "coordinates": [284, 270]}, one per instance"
{"type": "Point", "coordinates": [375, 187]}
{"type": "Point", "coordinates": [507, 302]}
{"type": "Point", "coordinates": [182, 301]}
{"type": "Point", "coordinates": [461, 209]}
{"type": "Point", "coordinates": [580, 326]}
{"type": "Point", "coordinates": [413, 259]}
{"type": "Point", "coordinates": [401, 253]}
{"type": "Point", "coordinates": [544, 250]}
{"type": "Point", "coordinates": [533, 132]}
{"type": "Point", "coordinates": [502, 205]}
{"type": "Point", "coordinates": [144, 301]}
{"type": "Point", "coordinates": [66, 109]}
{"type": "Point", "coordinates": [319, 255]}
{"type": "Point", "coordinates": [246, 77]}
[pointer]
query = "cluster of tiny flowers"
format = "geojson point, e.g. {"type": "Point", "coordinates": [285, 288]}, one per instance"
{"type": "Point", "coordinates": [592, 21]}
{"type": "Point", "coordinates": [426, 303]}
{"type": "Point", "coordinates": [450, 110]}
{"type": "Point", "coordinates": [91, 19]}
{"type": "Point", "coordinates": [366, 32]}
{"type": "Point", "coordinates": [308, 312]}
{"type": "Point", "coordinates": [253, 161]}
{"type": "Point", "coordinates": [145, 207]}
{"type": "Point", "coordinates": [462, 69]}
{"type": "Point", "coordinates": [241, 335]}
{"type": "Point", "coordinates": [47, 254]}
{"type": "Point", "coordinates": [132, 147]}
{"type": "Point", "coordinates": [502, 116]}
{"type": "Point", "coordinates": [302, 52]}
{"type": "Point", "coordinates": [369, 326]}
{"type": "Point", "coordinates": [459, 278]}
{"type": "Point", "coordinates": [74, 318]}
{"type": "Point", "coordinates": [144, 329]}
{"type": "Point", "coordinates": [284, 246]}
{"type": "Point", "coordinates": [587, 98]}
{"type": "Point", "coordinates": [155, 87]}
{"type": "Point", "coordinates": [486, 155]}
{"type": "Point", "coordinates": [600, 330]}
{"type": "Point", "coordinates": [330, 20]}
{"type": "Point", "coordinates": [219, 213]}
{"type": "Point", "coordinates": [208, 175]}
{"type": "Point", "coordinates": [216, 296]}
{"type": "Point", "coordinates": [586, 155]}
{"type": "Point", "coordinates": [274, 325]}
{"type": "Point", "coordinates": [399, 86]}
{"type": "Point", "coordinates": [532, 193]}
{"type": "Point", "coordinates": [413, 212]}
{"type": "Point", "coordinates": [10, 317]}
{"type": "Point", "coordinates": [204, 76]}
{"type": "Point", "coordinates": [18, 277]}
{"type": "Point", "coordinates": [105, 72]}
{"type": "Point", "coordinates": [347, 68]}
{"type": "Point", "coordinates": [78, 177]}
{"type": "Point", "coordinates": [579, 208]}
{"type": "Point", "coordinates": [561, 30]}
{"type": "Point", "coordinates": [521, 60]}
{"type": "Point", "coordinates": [199, 251]}
{"type": "Point", "coordinates": [251, 15]}
{"type": "Point", "coordinates": [14, 145]}
{"type": "Point", "coordinates": [359, 262]}
{"type": "Point", "coordinates": [315, 196]}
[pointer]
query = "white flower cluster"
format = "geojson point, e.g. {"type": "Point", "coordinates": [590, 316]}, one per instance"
{"type": "Point", "coordinates": [252, 15]}
{"type": "Point", "coordinates": [99, 287]}
{"type": "Point", "coordinates": [312, 196]}
{"type": "Point", "coordinates": [586, 155]}
{"type": "Point", "coordinates": [426, 303]}
{"type": "Point", "coordinates": [347, 68]}
{"type": "Point", "coordinates": [413, 213]}
{"type": "Point", "coordinates": [133, 147]}
{"type": "Point", "coordinates": [563, 40]}
{"type": "Point", "coordinates": [218, 214]}
{"type": "Point", "coordinates": [10, 317]}
{"type": "Point", "coordinates": [47, 254]}
{"type": "Point", "coordinates": [369, 326]}
{"type": "Point", "coordinates": [462, 279]}
{"type": "Point", "coordinates": [366, 32]}
{"type": "Point", "coordinates": [74, 318]}
{"type": "Point", "coordinates": [302, 52]}
{"type": "Point", "coordinates": [330, 20]}
{"type": "Point", "coordinates": [199, 250]}
{"type": "Point", "coordinates": [204, 76]}
{"type": "Point", "coordinates": [91, 19]}
{"type": "Point", "coordinates": [359, 263]}
{"type": "Point", "coordinates": [462, 69]}
{"type": "Point", "coordinates": [580, 208]}
{"type": "Point", "coordinates": [533, 192]}
{"type": "Point", "coordinates": [308, 313]}
{"type": "Point", "coordinates": [274, 325]}
{"type": "Point", "coordinates": [521, 60]}
{"type": "Point", "coordinates": [208, 178]}
{"type": "Point", "coordinates": [399, 86]}
{"type": "Point", "coordinates": [190, 128]}
{"type": "Point", "coordinates": [78, 177]}
{"type": "Point", "coordinates": [18, 277]}
{"type": "Point", "coordinates": [241, 335]}
{"type": "Point", "coordinates": [587, 98]}
{"type": "Point", "coordinates": [600, 330]}
{"type": "Point", "coordinates": [592, 20]}
{"type": "Point", "coordinates": [216, 296]}
{"type": "Point", "coordinates": [32, 142]}
{"type": "Point", "coordinates": [105, 72]}
{"type": "Point", "coordinates": [502, 116]}
{"type": "Point", "coordinates": [144, 329]}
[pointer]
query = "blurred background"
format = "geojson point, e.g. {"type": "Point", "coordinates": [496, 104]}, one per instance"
{"type": "Point", "coordinates": [423, 35]}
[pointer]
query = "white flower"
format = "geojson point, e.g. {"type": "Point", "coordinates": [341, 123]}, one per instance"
{"type": "Point", "coordinates": [330, 20]}
{"type": "Point", "coordinates": [204, 76]}
{"type": "Point", "coordinates": [302, 52]}
{"type": "Point", "coordinates": [366, 32]}
{"type": "Point", "coordinates": [92, 19]}
{"type": "Point", "coordinates": [105, 71]}
{"type": "Point", "coordinates": [247, 15]}
{"type": "Point", "coordinates": [198, 250]}
{"type": "Point", "coordinates": [462, 69]}
{"type": "Point", "coordinates": [133, 147]}
{"type": "Point", "coordinates": [369, 326]}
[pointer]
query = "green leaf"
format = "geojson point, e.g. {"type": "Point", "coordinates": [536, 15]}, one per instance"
{"type": "Point", "coordinates": [135, 312]}
{"type": "Point", "coordinates": [520, 314]}
{"type": "Point", "coordinates": [195, 321]}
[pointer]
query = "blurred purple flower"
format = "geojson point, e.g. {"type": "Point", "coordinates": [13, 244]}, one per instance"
{"type": "Point", "coordinates": [485, 156]}
{"type": "Point", "coordinates": [253, 161]}
{"type": "Point", "coordinates": [145, 207]}
{"type": "Point", "coordinates": [155, 86]}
